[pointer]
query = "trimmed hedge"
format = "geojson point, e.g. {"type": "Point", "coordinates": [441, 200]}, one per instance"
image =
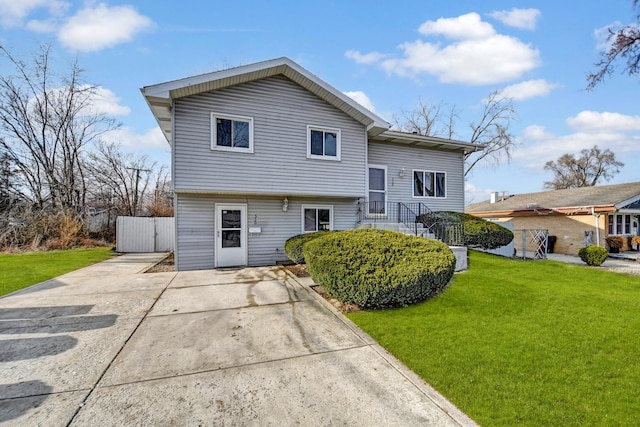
{"type": "Point", "coordinates": [593, 255]}
{"type": "Point", "coordinates": [378, 268]}
{"type": "Point", "coordinates": [293, 246]}
{"type": "Point", "coordinates": [477, 231]}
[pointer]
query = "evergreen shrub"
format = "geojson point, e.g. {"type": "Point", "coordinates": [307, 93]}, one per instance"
{"type": "Point", "coordinates": [593, 255]}
{"type": "Point", "coordinates": [375, 268]}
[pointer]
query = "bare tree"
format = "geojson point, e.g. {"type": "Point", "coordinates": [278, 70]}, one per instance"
{"type": "Point", "coordinates": [160, 202]}
{"type": "Point", "coordinates": [46, 121]}
{"type": "Point", "coordinates": [624, 44]}
{"type": "Point", "coordinates": [121, 178]}
{"type": "Point", "coordinates": [491, 129]}
{"type": "Point", "coordinates": [9, 186]}
{"type": "Point", "coordinates": [428, 119]}
{"type": "Point", "coordinates": [587, 170]}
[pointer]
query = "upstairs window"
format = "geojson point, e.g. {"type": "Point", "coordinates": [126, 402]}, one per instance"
{"type": "Point", "coordinates": [323, 143]}
{"type": "Point", "coordinates": [429, 184]}
{"type": "Point", "coordinates": [231, 133]}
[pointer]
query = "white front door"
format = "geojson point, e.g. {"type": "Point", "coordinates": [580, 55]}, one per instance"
{"type": "Point", "coordinates": [377, 191]}
{"type": "Point", "coordinates": [231, 235]}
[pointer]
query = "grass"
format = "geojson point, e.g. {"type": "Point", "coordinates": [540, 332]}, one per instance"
{"type": "Point", "coordinates": [18, 271]}
{"type": "Point", "coordinates": [528, 343]}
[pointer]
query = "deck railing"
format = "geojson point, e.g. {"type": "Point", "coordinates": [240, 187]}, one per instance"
{"type": "Point", "coordinates": [409, 214]}
{"type": "Point", "coordinates": [451, 233]}
{"type": "Point", "coordinates": [378, 212]}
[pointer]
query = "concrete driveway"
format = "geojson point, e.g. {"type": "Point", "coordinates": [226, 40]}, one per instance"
{"type": "Point", "coordinates": [109, 345]}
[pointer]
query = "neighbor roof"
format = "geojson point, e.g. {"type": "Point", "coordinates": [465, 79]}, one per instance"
{"type": "Point", "coordinates": [601, 198]}
{"type": "Point", "coordinates": [159, 97]}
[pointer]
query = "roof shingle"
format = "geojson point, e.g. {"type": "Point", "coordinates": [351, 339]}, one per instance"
{"type": "Point", "coordinates": [584, 197]}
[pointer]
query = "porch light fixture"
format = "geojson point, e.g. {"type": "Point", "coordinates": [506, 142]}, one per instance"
{"type": "Point", "coordinates": [401, 174]}
{"type": "Point", "coordinates": [285, 205]}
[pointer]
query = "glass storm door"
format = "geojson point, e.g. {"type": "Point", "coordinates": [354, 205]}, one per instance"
{"type": "Point", "coordinates": [377, 191]}
{"type": "Point", "coordinates": [231, 235]}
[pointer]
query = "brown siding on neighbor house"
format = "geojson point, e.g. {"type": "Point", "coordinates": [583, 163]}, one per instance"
{"type": "Point", "coordinates": [569, 229]}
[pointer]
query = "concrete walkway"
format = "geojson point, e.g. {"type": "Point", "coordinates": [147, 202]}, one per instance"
{"type": "Point", "coordinates": [108, 345]}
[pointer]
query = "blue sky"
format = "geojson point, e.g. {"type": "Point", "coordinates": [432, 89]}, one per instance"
{"type": "Point", "coordinates": [391, 55]}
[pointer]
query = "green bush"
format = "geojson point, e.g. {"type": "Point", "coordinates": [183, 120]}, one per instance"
{"type": "Point", "coordinates": [593, 255]}
{"type": "Point", "coordinates": [378, 268]}
{"type": "Point", "coordinates": [293, 246]}
{"type": "Point", "coordinates": [477, 231]}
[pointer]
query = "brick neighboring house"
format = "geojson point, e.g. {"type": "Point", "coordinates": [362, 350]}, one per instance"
{"type": "Point", "coordinates": [600, 211]}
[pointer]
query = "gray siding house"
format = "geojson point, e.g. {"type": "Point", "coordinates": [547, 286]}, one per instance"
{"type": "Point", "coordinates": [266, 151]}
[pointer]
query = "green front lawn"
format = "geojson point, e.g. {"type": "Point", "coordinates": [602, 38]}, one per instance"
{"type": "Point", "coordinates": [18, 271]}
{"type": "Point", "coordinates": [525, 343]}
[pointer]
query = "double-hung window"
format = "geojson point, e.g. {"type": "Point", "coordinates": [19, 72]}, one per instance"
{"type": "Point", "coordinates": [317, 218]}
{"type": "Point", "coordinates": [231, 133]}
{"type": "Point", "coordinates": [429, 184]}
{"type": "Point", "coordinates": [619, 224]}
{"type": "Point", "coordinates": [323, 143]}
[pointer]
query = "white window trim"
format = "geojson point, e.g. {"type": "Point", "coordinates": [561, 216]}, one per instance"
{"type": "Point", "coordinates": [214, 131]}
{"type": "Point", "coordinates": [446, 192]}
{"type": "Point", "coordinates": [304, 207]}
{"type": "Point", "coordinates": [386, 191]}
{"type": "Point", "coordinates": [614, 216]}
{"type": "Point", "coordinates": [338, 143]}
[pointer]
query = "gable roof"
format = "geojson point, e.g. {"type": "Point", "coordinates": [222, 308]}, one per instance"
{"type": "Point", "coordinates": [159, 97]}
{"type": "Point", "coordinates": [602, 198]}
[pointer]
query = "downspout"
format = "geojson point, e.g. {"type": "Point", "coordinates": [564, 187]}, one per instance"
{"type": "Point", "coordinates": [597, 217]}
{"type": "Point", "coordinates": [176, 255]}
{"type": "Point", "coordinates": [361, 203]}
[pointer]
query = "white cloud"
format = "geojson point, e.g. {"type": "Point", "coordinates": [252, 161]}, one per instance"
{"type": "Point", "coordinates": [538, 145]}
{"type": "Point", "coordinates": [13, 12]}
{"type": "Point", "coordinates": [104, 101]}
{"type": "Point", "coordinates": [369, 58]}
{"type": "Point", "coordinates": [594, 121]}
{"type": "Point", "coordinates": [528, 89]}
{"type": "Point", "coordinates": [525, 19]}
{"type": "Point", "coordinates": [91, 101]}
{"type": "Point", "coordinates": [469, 26]}
{"type": "Point", "coordinates": [476, 56]}
{"type": "Point", "coordinates": [129, 139]}
{"type": "Point", "coordinates": [94, 27]}
{"type": "Point", "coordinates": [603, 42]}
{"type": "Point", "coordinates": [99, 26]}
{"type": "Point", "coordinates": [535, 133]}
{"type": "Point", "coordinates": [41, 26]}
{"type": "Point", "coordinates": [362, 99]}
{"type": "Point", "coordinates": [602, 35]}
{"type": "Point", "coordinates": [492, 60]}
{"type": "Point", "coordinates": [473, 194]}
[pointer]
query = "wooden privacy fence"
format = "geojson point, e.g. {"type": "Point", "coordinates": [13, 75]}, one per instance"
{"type": "Point", "coordinates": [141, 234]}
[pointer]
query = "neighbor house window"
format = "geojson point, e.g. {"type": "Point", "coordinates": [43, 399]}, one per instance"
{"type": "Point", "coordinates": [323, 143]}
{"type": "Point", "coordinates": [429, 184]}
{"type": "Point", "coordinates": [317, 218]}
{"type": "Point", "coordinates": [619, 224]}
{"type": "Point", "coordinates": [231, 133]}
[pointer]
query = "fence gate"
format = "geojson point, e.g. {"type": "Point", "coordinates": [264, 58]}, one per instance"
{"type": "Point", "coordinates": [533, 243]}
{"type": "Point", "coordinates": [140, 234]}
